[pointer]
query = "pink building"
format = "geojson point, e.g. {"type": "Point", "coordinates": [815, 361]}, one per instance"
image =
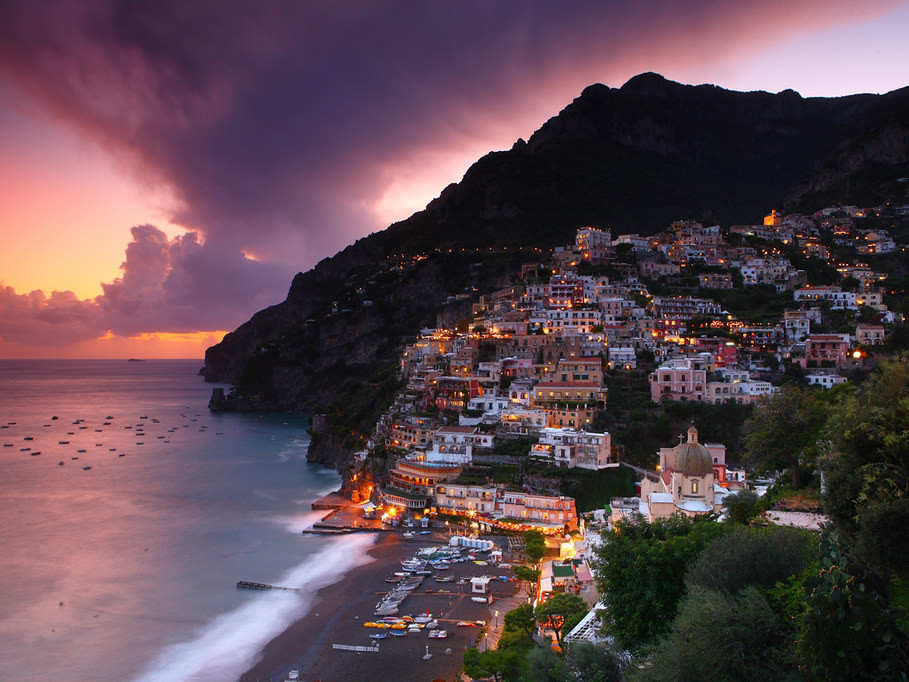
{"type": "Point", "coordinates": [826, 349]}
{"type": "Point", "coordinates": [681, 378]}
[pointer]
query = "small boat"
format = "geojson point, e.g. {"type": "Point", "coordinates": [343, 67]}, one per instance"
{"type": "Point", "coordinates": [444, 578]}
{"type": "Point", "coordinates": [29, 438]}
{"type": "Point", "coordinates": [424, 532]}
{"type": "Point", "coordinates": [398, 633]}
{"type": "Point", "coordinates": [438, 634]}
{"type": "Point", "coordinates": [379, 635]}
{"type": "Point", "coordinates": [62, 442]}
{"type": "Point", "coordinates": [482, 600]}
{"type": "Point", "coordinates": [86, 468]}
{"type": "Point", "coordinates": [386, 610]}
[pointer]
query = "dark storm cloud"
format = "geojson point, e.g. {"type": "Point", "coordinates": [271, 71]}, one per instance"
{"type": "Point", "coordinates": [278, 125]}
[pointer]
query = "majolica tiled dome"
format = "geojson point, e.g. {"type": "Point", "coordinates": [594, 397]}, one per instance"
{"type": "Point", "coordinates": [692, 458]}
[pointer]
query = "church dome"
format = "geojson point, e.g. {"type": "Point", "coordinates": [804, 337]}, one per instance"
{"type": "Point", "coordinates": [692, 458]}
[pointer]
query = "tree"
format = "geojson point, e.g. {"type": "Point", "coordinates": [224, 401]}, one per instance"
{"type": "Point", "coordinates": [529, 576]}
{"type": "Point", "coordinates": [867, 472]}
{"type": "Point", "coordinates": [594, 663]}
{"type": "Point", "coordinates": [718, 636]}
{"type": "Point", "coordinates": [639, 571]}
{"type": "Point", "coordinates": [534, 545]}
{"type": "Point", "coordinates": [746, 557]}
{"type": "Point", "coordinates": [545, 665]}
{"type": "Point", "coordinates": [784, 431]}
{"type": "Point", "coordinates": [739, 507]}
{"type": "Point", "coordinates": [521, 619]}
{"type": "Point", "coordinates": [847, 631]}
{"type": "Point", "coordinates": [559, 611]}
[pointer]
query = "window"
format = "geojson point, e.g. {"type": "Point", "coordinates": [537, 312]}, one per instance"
{"type": "Point", "coordinates": [694, 487]}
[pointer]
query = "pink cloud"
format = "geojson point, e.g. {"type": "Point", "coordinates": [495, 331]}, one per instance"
{"type": "Point", "coordinates": [168, 285]}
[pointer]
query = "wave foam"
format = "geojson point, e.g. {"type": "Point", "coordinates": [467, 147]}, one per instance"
{"type": "Point", "coordinates": [228, 645]}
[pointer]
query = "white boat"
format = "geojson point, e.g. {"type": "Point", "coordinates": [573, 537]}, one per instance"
{"type": "Point", "coordinates": [438, 634]}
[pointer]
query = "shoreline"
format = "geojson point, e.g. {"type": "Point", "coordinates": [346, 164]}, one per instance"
{"type": "Point", "coordinates": [340, 609]}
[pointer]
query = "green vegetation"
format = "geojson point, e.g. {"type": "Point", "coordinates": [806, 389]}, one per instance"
{"type": "Point", "coordinates": [639, 572]}
{"type": "Point", "coordinates": [847, 630]}
{"type": "Point", "coordinates": [783, 432]}
{"type": "Point", "coordinates": [529, 576]}
{"type": "Point", "coordinates": [560, 613]}
{"type": "Point", "coordinates": [594, 489]}
{"type": "Point", "coordinates": [534, 545]}
{"type": "Point", "coordinates": [359, 402]}
{"type": "Point", "coordinates": [867, 494]}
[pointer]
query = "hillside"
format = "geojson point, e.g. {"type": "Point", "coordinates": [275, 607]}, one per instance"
{"type": "Point", "coordinates": [629, 159]}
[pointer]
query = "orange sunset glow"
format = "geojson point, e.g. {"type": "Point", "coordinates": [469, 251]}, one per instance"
{"type": "Point", "coordinates": [158, 181]}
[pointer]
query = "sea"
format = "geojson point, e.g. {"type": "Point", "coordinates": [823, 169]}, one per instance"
{"type": "Point", "coordinates": [129, 512]}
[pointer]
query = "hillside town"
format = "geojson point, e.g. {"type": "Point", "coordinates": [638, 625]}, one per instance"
{"type": "Point", "coordinates": [500, 409]}
{"type": "Point", "coordinates": [528, 365]}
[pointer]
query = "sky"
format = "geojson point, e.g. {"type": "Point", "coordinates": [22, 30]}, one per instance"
{"type": "Point", "coordinates": [167, 167]}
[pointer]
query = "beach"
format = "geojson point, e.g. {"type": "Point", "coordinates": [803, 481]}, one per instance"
{"type": "Point", "coordinates": [338, 614]}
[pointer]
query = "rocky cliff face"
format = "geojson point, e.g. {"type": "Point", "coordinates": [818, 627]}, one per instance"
{"type": "Point", "coordinates": [628, 159]}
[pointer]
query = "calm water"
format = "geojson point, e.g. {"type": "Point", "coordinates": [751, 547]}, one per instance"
{"type": "Point", "coordinates": [127, 569]}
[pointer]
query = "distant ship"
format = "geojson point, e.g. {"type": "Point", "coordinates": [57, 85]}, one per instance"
{"type": "Point", "coordinates": [135, 360]}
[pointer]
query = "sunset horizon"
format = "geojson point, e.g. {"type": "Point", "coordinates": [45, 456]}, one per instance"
{"type": "Point", "coordinates": [149, 206]}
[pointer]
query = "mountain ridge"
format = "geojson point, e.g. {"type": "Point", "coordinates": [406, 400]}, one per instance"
{"type": "Point", "coordinates": [630, 159]}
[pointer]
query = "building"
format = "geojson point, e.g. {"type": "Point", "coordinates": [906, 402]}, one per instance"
{"type": "Point", "coordinates": [682, 378]}
{"type": "Point", "coordinates": [594, 245]}
{"type": "Point", "coordinates": [869, 334]}
{"type": "Point", "coordinates": [412, 483]}
{"type": "Point", "coordinates": [826, 350]}
{"type": "Point", "coordinates": [452, 498]}
{"type": "Point", "coordinates": [736, 385]}
{"type": "Point", "coordinates": [824, 380]}
{"type": "Point", "coordinates": [546, 513]}
{"type": "Point", "coordinates": [687, 483]}
{"type": "Point", "coordinates": [569, 448]}
{"type": "Point", "coordinates": [836, 297]}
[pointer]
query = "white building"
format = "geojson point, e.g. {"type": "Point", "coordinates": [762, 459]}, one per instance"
{"type": "Point", "coordinates": [571, 448]}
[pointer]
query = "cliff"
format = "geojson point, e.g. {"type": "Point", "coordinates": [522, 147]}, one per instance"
{"type": "Point", "coordinates": [629, 159]}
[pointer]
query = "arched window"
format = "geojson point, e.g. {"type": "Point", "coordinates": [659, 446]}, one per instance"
{"type": "Point", "coordinates": [694, 487]}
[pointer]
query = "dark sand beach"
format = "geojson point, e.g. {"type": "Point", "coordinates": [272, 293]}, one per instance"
{"type": "Point", "coordinates": [340, 610]}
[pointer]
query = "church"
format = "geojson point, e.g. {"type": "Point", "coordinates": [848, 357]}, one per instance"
{"type": "Point", "coordinates": [690, 480]}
